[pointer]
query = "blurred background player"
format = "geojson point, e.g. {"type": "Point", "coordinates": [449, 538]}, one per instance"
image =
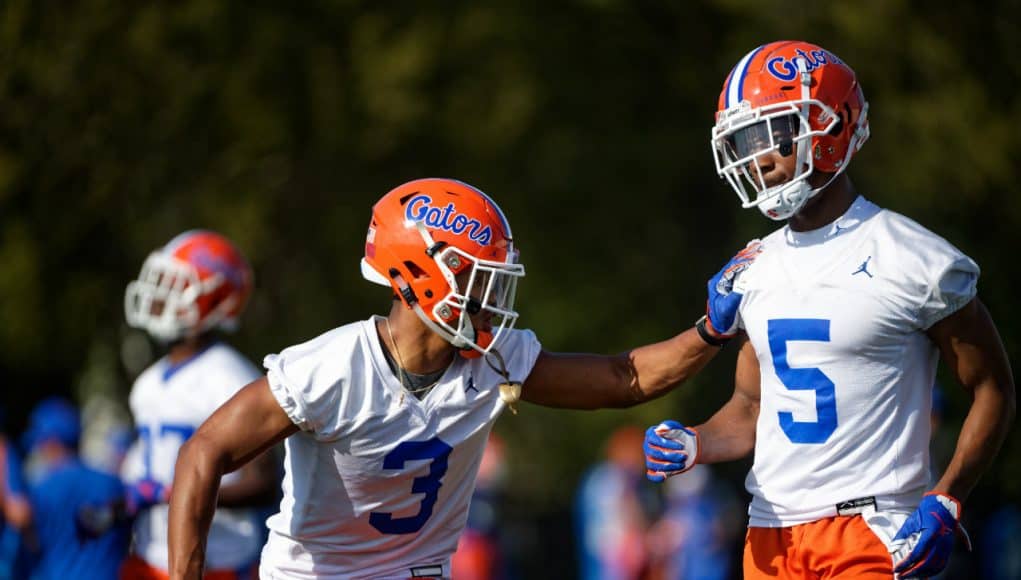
{"type": "Point", "coordinates": [386, 420]}
{"type": "Point", "coordinates": [61, 545]}
{"type": "Point", "coordinates": [695, 536]}
{"type": "Point", "coordinates": [196, 285]}
{"type": "Point", "coordinates": [846, 313]}
{"type": "Point", "coordinates": [15, 511]}
{"type": "Point", "coordinates": [611, 512]}
{"type": "Point", "coordinates": [481, 553]}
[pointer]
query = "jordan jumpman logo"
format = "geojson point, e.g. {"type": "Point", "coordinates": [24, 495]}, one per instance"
{"type": "Point", "coordinates": [863, 268]}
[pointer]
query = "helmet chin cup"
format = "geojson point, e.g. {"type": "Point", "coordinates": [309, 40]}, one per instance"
{"type": "Point", "coordinates": [787, 200]}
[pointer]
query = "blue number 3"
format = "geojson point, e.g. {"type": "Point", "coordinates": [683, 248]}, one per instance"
{"type": "Point", "coordinates": [429, 484]}
{"type": "Point", "coordinates": [780, 332]}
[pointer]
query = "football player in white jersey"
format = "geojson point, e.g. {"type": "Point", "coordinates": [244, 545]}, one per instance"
{"type": "Point", "coordinates": [385, 420]}
{"type": "Point", "coordinates": [197, 284]}
{"type": "Point", "coordinates": [846, 313]}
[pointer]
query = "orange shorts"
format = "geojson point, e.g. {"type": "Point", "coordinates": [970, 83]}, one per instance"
{"type": "Point", "coordinates": [837, 547]}
{"type": "Point", "coordinates": [135, 568]}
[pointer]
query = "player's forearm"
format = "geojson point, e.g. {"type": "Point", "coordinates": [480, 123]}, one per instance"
{"type": "Point", "coordinates": [730, 433]}
{"type": "Point", "coordinates": [663, 366]}
{"type": "Point", "coordinates": [984, 430]}
{"type": "Point", "coordinates": [587, 381]}
{"type": "Point", "coordinates": [196, 480]}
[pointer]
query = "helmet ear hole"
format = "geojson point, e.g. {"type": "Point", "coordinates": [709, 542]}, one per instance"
{"type": "Point", "coordinates": [842, 120]}
{"type": "Point", "coordinates": [838, 128]}
{"type": "Point", "coordinates": [415, 270]}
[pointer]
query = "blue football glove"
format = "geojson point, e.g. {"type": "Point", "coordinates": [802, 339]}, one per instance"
{"type": "Point", "coordinates": [721, 307]}
{"type": "Point", "coordinates": [144, 494]}
{"type": "Point", "coordinates": [670, 449]}
{"type": "Point", "coordinates": [927, 537]}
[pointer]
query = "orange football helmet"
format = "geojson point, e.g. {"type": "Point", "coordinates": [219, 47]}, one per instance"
{"type": "Point", "coordinates": [447, 250]}
{"type": "Point", "coordinates": [795, 98]}
{"type": "Point", "coordinates": [197, 282]}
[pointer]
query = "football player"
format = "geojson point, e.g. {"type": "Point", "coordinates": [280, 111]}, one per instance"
{"type": "Point", "coordinates": [846, 313]}
{"type": "Point", "coordinates": [188, 290]}
{"type": "Point", "coordinates": [385, 420]}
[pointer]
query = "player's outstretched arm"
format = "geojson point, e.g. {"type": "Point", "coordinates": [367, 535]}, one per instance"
{"type": "Point", "coordinates": [244, 427]}
{"type": "Point", "coordinates": [971, 348]}
{"type": "Point", "coordinates": [588, 381]}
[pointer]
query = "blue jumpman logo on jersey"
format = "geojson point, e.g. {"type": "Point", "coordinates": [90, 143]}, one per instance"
{"type": "Point", "coordinates": [837, 229]}
{"type": "Point", "coordinates": [471, 385]}
{"type": "Point", "coordinates": [863, 268]}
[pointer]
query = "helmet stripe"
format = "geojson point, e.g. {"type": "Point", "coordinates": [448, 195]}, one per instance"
{"type": "Point", "coordinates": [726, 89]}
{"type": "Point", "coordinates": [735, 87]}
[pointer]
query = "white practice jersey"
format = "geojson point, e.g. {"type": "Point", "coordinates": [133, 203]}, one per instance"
{"type": "Point", "coordinates": [377, 482]}
{"type": "Point", "coordinates": [168, 403]}
{"type": "Point", "coordinates": [838, 320]}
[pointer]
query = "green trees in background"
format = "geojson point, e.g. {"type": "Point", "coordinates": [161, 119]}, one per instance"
{"type": "Point", "coordinates": [279, 124]}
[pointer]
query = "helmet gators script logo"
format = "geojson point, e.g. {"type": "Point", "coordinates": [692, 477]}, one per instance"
{"type": "Point", "coordinates": [786, 69]}
{"type": "Point", "coordinates": [421, 209]}
{"type": "Point", "coordinates": [205, 258]}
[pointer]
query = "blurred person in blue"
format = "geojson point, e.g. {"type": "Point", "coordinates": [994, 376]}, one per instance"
{"type": "Point", "coordinates": [65, 546]}
{"type": "Point", "coordinates": [695, 537]}
{"type": "Point", "coordinates": [15, 512]}
{"type": "Point", "coordinates": [610, 512]}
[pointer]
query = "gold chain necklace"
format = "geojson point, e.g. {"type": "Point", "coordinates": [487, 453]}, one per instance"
{"type": "Point", "coordinates": [401, 368]}
{"type": "Point", "coordinates": [510, 391]}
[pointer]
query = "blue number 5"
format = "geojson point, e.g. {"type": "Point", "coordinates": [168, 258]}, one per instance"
{"type": "Point", "coordinates": [434, 449]}
{"type": "Point", "coordinates": [781, 331]}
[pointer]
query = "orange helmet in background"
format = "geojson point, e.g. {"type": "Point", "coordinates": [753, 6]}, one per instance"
{"type": "Point", "coordinates": [795, 98]}
{"type": "Point", "coordinates": [198, 282]}
{"type": "Point", "coordinates": [446, 249]}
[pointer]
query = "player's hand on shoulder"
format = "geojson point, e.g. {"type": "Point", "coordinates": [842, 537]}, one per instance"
{"type": "Point", "coordinates": [723, 301]}
{"type": "Point", "coordinates": [670, 449]}
{"type": "Point", "coordinates": [925, 541]}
